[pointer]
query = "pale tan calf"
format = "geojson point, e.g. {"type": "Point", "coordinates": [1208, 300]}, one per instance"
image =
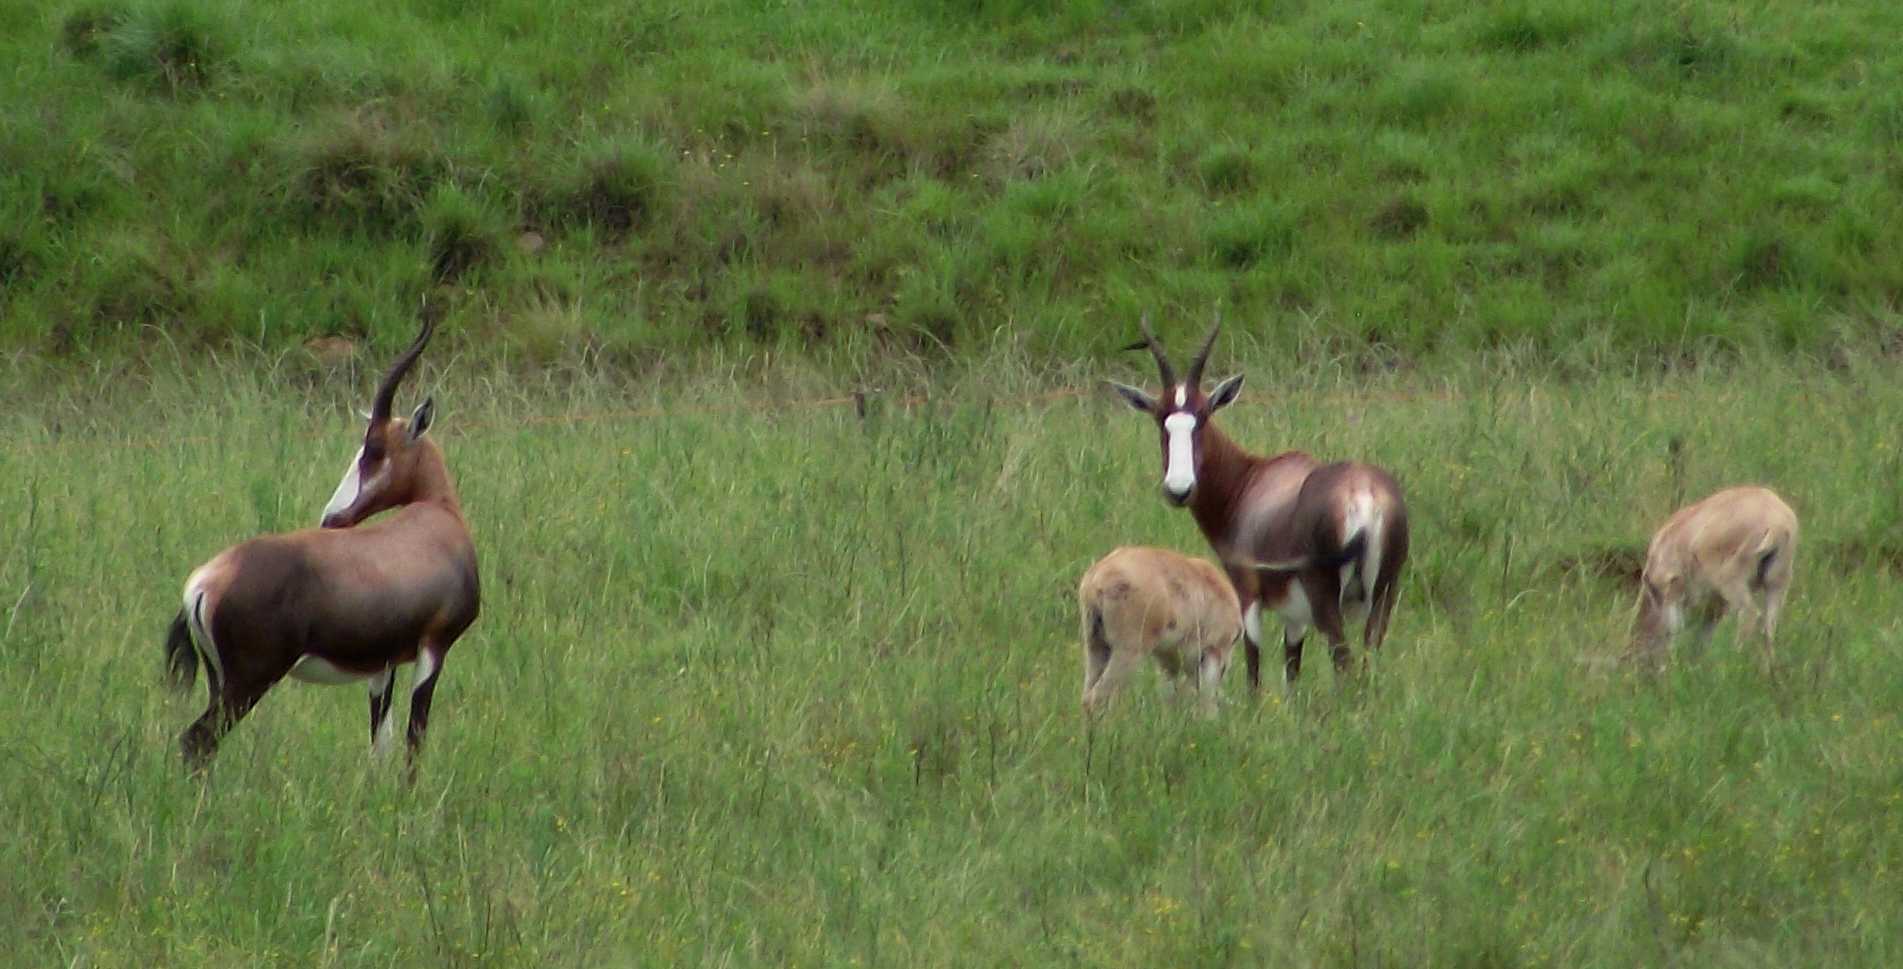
{"type": "Point", "coordinates": [1150, 602]}
{"type": "Point", "coordinates": [1730, 553]}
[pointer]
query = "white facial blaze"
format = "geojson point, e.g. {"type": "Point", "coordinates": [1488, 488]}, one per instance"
{"type": "Point", "coordinates": [1182, 395]}
{"type": "Point", "coordinates": [347, 489]}
{"type": "Point", "coordinates": [1179, 475]}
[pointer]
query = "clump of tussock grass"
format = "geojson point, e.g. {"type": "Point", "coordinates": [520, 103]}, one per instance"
{"type": "Point", "coordinates": [1763, 258]}
{"type": "Point", "coordinates": [362, 173]}
{"type": "Point", "coordinates": [1227, 169]}
{"type": "Point", "coordinates": [1418, 96]}
{"type": "Point", "coordinates": [1525, 29]}
{"type": "Point", "coordinates": [866, 116]}
{"type": "Point", "coordinates": [1399, 218]}
{"type": "Point", "coordinates": [1250, 233]}
{"type": "Point", "coordinates": [81, 30]}
{"type": "Point", "coordinates": [512, 105]}
{"type": "Point", "coordinates": [1134, 104]}
{"type": "Point", "coordinates": [461, 234]}
{"type": "Point", "coordinates": [176, 48]}
{"type": "Point", "coordinates": [1035, 145]}
{"type": "Point", "coordinates": [616, 187]}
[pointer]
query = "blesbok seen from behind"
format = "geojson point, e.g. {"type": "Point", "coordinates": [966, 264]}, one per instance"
{"type": "Point", "coordinates": [1319, 545]}
{"type": "Point", "coordinates": [1733, 552]}
{"type": "Point", "coordinates": [348, 601]}
{"type": "Point", "coordinates": [1138, 603]}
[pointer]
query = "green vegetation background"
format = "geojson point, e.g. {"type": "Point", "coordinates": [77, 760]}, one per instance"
{"type": "Point", "coordinates": [1390, 180]}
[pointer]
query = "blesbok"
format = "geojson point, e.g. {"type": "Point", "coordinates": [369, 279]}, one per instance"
{"type": "Point", "coordinates": [342, 602]}
{"type": "Point", "coordinates": [1180, 611]}
{"type": "Point", "coordinates": [1317, 544]}
{"type": "Point", "coordinates": [1717, 556]}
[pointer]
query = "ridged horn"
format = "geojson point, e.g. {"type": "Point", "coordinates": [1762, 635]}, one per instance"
{"type": "Point", "coordinates": [1202, 355]}
{"type": "Point", "coordinates": [386, 391]}
{"type": "Point", "coordinates": [1150, 343]}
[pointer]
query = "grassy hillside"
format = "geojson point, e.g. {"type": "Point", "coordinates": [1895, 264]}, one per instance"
{"type": "Point", "coordinates": [1384, 179]}
{"type": "Point", "coordinates": [786, 688]}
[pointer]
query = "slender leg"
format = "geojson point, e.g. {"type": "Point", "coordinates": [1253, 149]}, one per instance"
{"type": "Point", "coordinates": [1209, 679]}
{"type": "Point", "coordinates": [429, 665]}
{"type": "Point", "coordinates": [382, 691]}
{"type": "Point", "coordinates": [1292, 639]}
{"type": "Point", "coordinates": [1249, 593]}
{"type": "Point", "coordinates": [227, 707]}
{"type": "Point", "coordinates": [1379, 612]}
{"type": "Point", "coordinates": [1252, 644]}
{"type": "Point", "coordinates": [1324, 603]}
{"type": "Point", "coordinates": [1115, 673]}
{"type": "Point", "coordinates": [1096, 652]}
{"type": "Point", "coordinates": [1773, 605]}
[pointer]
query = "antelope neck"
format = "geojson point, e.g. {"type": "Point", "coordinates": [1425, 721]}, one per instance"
{"type": "Point", "coordinates": [432, 485]}
{"type": "Point", "coordinates": [1220, 483]}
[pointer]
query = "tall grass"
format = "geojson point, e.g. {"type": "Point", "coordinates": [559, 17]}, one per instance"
{"type": "Point", "coordinates": [848, 181]}
{"type": "Point", "coordinates": [791, 686]}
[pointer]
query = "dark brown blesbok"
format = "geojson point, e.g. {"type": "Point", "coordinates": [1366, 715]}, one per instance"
{"type": "Point", "coordinates": [1317, 544]}
{"type": "Point", "coordinates": [343, 602]}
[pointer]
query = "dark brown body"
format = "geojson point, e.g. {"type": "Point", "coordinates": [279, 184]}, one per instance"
{"type": "Point", "coordinates": [343, 603]}
{"type": "Point", "coordinates": [1319, 545]}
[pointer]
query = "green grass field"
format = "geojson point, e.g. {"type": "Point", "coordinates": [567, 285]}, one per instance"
{"type": "Point", "coordinates": [1390, 180]}
{"type": "Point", "coordinates": [764, 681]}
{"type": "Point", "coordinates": [787, 687]}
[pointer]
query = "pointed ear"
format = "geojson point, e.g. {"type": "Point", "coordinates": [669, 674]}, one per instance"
{"type": "Point", "coordinates": [420, 419]}
{"type": "Point", "coordinates": [1132, 396]}
{"type": "Point", "coordinates": [1225, 393]}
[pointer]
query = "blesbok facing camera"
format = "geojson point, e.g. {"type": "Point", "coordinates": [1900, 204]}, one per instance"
{"type": "Point", "coordinates": [1733, 552]}
{"type": "Point", "coordinates": [344, 602]}
{"type": "Point", "coordinates": [1151, 602]}
{"type": "Point", "coordinates": [1317, 544]}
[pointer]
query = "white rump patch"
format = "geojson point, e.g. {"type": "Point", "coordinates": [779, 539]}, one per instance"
{"type": "Point", "coordinates": [347, 489]}
{"type": "Point", "coordinates": [1179, 475]}
{"type": "Point", "coordinates": [316, 669]}
{"type": "Point", "coordinates": [1364, 516]}
{"type": "Point", "coordinates": [199, 623]}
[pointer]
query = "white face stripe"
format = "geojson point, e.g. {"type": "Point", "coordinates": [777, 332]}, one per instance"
{"type": "Point", "coordinates": [1182, 395]}
{"type": "Point", "coordinates": [1179, 475]}
{"type": "Point", "coordinates": [347, 489]}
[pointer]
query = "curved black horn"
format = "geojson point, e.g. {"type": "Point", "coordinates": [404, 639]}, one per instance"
{"type": "Point", "coordinates": [1156, 350]}
{"type": "Point", "coordinates": [1202, 355]}
{"type": "Point", "coordinates": [386, 391]}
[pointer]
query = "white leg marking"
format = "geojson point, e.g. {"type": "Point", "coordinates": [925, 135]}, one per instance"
{"type": "Point", "coordinates": [1252, 622]}
{"type": "Point", "coordinates": [1209, 682]}
{"type": "Point", "coordinates": [316, 669]}
{"type": "Point", "coordinates": [426, 663]}
{"type": "Point", "coordinates": [347, 489]}
{"type": "Point", "coordinates": [1294, 608]}
{"type": "Point", "coordinates": [380, 744]}
{"type": "Point", "coordinates": [1179, 475]}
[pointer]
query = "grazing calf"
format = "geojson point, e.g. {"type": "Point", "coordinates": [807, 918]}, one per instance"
{"type": "Point", "coordinates": [1150, 602]}
{"type": "Point", "coordinates": [1716, 556]}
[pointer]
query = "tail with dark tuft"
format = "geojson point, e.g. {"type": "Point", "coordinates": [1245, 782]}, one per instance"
{"type": "Point", "coordinates": [1350, 552]}
{"type": "Point", "coordinates": [181, 658]}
